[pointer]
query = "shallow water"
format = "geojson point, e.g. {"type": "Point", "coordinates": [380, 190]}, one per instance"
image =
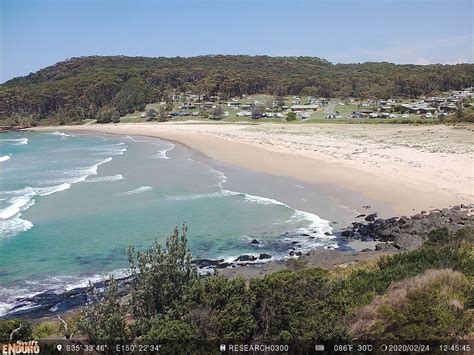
{"type": "Point", "coordinates": [70, 205]}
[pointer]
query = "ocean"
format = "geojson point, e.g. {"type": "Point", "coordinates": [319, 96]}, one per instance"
{"type": "Point", "coordinates": [71, 204]}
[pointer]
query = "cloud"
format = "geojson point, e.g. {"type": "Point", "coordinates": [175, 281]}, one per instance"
{"type": "Point", "coordinates": [459, 61]}
{"type": "Point", "coordinates": [422, 61]}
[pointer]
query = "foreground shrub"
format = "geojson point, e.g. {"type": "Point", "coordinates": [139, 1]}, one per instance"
{"type": "Point", "coordinates": [161, 278]}
{"type": "Point", "coordinates": [15, 329]}
{"type": "Point", "coordinates": [431, 306]}
{"type": "Point", "coordinates": [45, 329]}
{"type": "Point", "coordinates": [103, 319]}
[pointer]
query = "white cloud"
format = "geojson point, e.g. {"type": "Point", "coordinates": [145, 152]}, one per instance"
{"type": "Point", "coordinates": [458, 61]}
{"type": "Point", "coordinates": [422, 61]}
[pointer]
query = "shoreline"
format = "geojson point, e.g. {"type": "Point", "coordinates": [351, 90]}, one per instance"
{"type": "Point", "coordinates": [229, 150]}
{"type": "Point", "coordinates": [404, 190]}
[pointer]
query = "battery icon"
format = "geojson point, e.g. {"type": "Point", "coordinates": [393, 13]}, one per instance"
{"type": "Point", "coordinates": [319, 347]}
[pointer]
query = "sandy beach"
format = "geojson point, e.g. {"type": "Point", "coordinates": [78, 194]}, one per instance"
{"type": "Point", "coordinates": [409, 168]}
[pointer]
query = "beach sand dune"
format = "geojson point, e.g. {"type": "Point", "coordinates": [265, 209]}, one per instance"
{"type": "Point", "coordinates": [409, 168]}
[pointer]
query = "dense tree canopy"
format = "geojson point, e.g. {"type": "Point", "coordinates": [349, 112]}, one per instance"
{"type": "Point", "coordinates": [80, 88]}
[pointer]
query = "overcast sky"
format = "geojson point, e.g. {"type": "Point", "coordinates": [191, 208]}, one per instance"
{"type": "Point", "coordinates": [38, 33]}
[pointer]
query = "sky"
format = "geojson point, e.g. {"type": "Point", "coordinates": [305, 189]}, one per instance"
{"type": "Point", "coordinates": [38, 33]}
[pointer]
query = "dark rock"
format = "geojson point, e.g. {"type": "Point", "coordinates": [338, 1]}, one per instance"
{"type": "Point", "coordinates": [366, 207]}
{"type": "Point", "coordinates": [207, 262]}
{"type": "Point", "coordinates": [304, 235]}
{"type": "Point", "coordinates": [361, 215]}
{"type": "Point", "coordinates": [404, 219]}
{"type": "Point", "coordinates": [384, 247]}
{"type": "Point", "coordinates": [417, 216]}
{"type": "Point", "coordinates": [371, 217]}
{"type": "Point", "coordinates": [246, 257]}
{"type": "Point", "coordinates": [325, 233]}
{"type": "Point", "coordinates": [294, 242]}
{"type": "Point", "coordinates": [291, 252]}
{"type": "Point", "coordinates": [347, 233]}
{"type": "Point", "coordinates": [254, 241]}
{"type": "Point", "coordinates": [264, 256]}
{"type": "Point", "coordinates": [366, 249]}
{"type": "Point", "coordinates": [224, 265]}
{"type": "Point", "coordinates": [379, 223]}
{"type": "Point", "coordinates": [298, 253]}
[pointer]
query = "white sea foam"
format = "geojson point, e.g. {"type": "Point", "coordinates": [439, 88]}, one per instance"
{"type": "Point", "coordinates": [62, 134]}
{"type": "Point", "coordinates": [15, 141]}
{"type": "Point", "coordinates": [110, 149]}
{"type": "Point", "coordinates": [138, 190]}
{"type": "Point", "coordinates": [221, 193]}
{"type": "Point", "coordinates": [106, 178]}
{"type": "Point", "coordinates": [14, 226]}
{"type": "Point", "coordinates": [162, 153]}
{"type": "Point", "coordinates": [20, 200]}
{"type": "Point", "coordinates": [263, 200]}
{"type": "Point", "coordinates": [4, 158]}
{"type": "Point", "coordinates": [136, 140]}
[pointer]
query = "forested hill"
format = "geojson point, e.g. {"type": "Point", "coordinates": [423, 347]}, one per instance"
{"type": "Point", "coordinates": [80, 88]}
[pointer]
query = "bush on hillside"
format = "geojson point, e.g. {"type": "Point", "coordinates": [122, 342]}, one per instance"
{"type": "Point", "coordinates": [430, 306]}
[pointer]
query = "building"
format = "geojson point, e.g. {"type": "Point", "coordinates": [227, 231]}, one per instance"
{"type": "Point", "coordinates": [299, 108]}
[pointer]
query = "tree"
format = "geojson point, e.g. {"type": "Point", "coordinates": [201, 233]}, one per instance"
{"type": "Point", "coordinates": [103, 318]}
{"type": "Point", "coordinates": [162, 114]}
{"type": "Point", "coordinates": [151, 115]}
{"type": "Point", "coordinates": [107, 115]}
{"type": "Point", "coordinates": [280, 102]}
{"type": "Point", "coordinates": [291, 116]}
{"type": "Point", "coordinates": [160, 276]}
{"type": "Point", "coordinates": [258, 110]}
{"type": "Point", "coordinates": [217, 113]}
{"type": "Point", "coordinates": [459, 110]}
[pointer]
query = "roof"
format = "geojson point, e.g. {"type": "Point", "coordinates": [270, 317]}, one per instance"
{"type": "Point", "coordinates": [305, 107]}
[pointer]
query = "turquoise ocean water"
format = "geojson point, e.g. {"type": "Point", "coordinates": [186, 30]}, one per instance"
{"type": "Point", "coordinates": [70, 205]}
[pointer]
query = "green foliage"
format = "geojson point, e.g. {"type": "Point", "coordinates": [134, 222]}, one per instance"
{"type": "Point", "coordinates": [399, 297]}
{"type": "Point", "coordinates": [291, 116]}
{"type": "Point", "coordinates": [103, 319]}
{"type": "Point", "coordinates": [80, 87]}
{"type": "Point", "coordinates": [161, 277]}
{"type": "Point", "coordinates": [431, 306]}
{"type": "Point", "coordinates": [170, 330]}
{"type": "Point", "coordinates": [44, 330]}
{"type": "Point", "coordinates": [107, 115]}
{"type": "Point", "coordinates": [18, 329]}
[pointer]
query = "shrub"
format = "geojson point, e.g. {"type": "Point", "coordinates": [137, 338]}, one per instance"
{"type": "Point", "coordinates": [16, 329]}
{"type": "Point", "coordinates": [291, 116]}
{"type": "Point", "coordinates": [45, 329]}
{"type": "Point", "coordinates": [102, 319]}
{"type": "Point", "coordinates": [161, 277]}
{"type": "Point", "coordinates": [430, 306]}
